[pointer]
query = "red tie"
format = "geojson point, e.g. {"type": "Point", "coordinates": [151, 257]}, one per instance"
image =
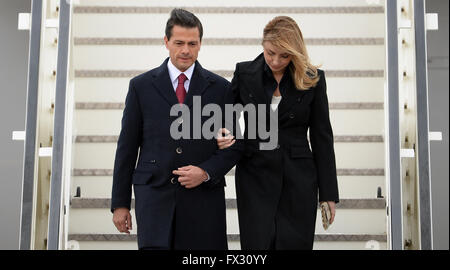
{"type": "Point", "coordinates": [181, 92]}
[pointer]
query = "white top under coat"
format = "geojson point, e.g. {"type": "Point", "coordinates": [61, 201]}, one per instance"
{"type": "Point", "coordinates": [275, 101]}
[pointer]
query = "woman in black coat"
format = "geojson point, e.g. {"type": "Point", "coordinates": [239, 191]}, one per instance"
{"type": "Point", "coordinates": [278, 190]}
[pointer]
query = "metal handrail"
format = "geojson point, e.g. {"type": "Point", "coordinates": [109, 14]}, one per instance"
{"type": "Point", "coordinates": [30, 145]}
{"type": "Point", "coordinates": [423, 143]}
{"type": "Point", "coordinates": [58, 155]}
{"type": "Point", "coordinates": [393, 164]}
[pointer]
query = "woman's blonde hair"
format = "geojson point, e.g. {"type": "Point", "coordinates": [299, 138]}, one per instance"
{"type": "Point", "coordinates": [284, 33]}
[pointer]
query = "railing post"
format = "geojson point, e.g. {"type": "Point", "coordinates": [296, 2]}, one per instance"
{"type": "Point", "coordinates": [56, 188]}
{"type": "Point", "coordinates": [393, 165]}
{"type": "Point", "coordinates": [423, 143]}
{"type": "Point", "coordinates": [30, 145]}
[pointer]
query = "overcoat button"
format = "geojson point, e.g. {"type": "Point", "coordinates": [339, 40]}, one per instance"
{"type": "Point", "coordinates": [179, 150]}
{"type": "Point", "coordinates": [291, 115]}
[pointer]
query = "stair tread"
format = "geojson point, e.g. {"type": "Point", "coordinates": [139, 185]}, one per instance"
{"type": "Point", "coordinates": [89, 203]}
{"type": "Point", "coordinates": [337, 138]}
{"type": "Point", "coordinates": [232, 237]}
{"type": "Point", "coordinates": [232, 10]}
{"type": "Point", "coordinates": [340, 172]}
{"type": "Point", "coordinates": [92, 73]}
{"type": "Point", "coordinates": [332, 106]}
{"type": "Point", "coordinates": [222, 41]}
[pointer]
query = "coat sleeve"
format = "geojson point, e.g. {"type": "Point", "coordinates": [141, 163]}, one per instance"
{"type": "Point", "coordinates": [127, 151]}
{"type": "Point", "coordinates": [321, 137]}
{"type": "Point", "coordinates": [223, 160]}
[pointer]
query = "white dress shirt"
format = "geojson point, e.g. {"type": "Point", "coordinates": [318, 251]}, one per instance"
{"type": "Point", "coordinates": [174, 72]}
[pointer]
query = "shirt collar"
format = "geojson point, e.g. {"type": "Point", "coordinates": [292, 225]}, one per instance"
{"type": "Point", "coordinates": [174, 72]}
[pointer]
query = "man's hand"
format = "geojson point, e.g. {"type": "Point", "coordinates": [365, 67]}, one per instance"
{"type": "Point", "coordinates": [122, 220]}
{"type": "Point", "coordinates": [190, 176]}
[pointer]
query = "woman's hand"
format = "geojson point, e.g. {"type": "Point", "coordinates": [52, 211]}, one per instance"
{"type": "Point", "coordinates": [332, 206]}
{"type": "Point", "coordinates": [224, 138]}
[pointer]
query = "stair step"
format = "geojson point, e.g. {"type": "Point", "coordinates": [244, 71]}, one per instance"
{"type": "Point", "coordinates": [229, 3]}
{"type": "Point", "coordinates": [232, 204]}
{"type": "Point", "coordinates": [102, 155]}
{"type": "Point", "coordinates": [340, 172]}
{"type": "Point", "coordinates": [337, 138]}
{"type": "Point", "coordinates": [232, 237]}
{"type": "Point", "coordinates": [347, 221]}
{"type": "Point", "coordinates": [231, 10]}
{"type": "Point", "coordinates": [350, 187]}
{"type": "Point", "coordinates": [223, 73]}
{"type": "Point", "coordinates": [147, 24]}
{"type": "Point", "coordinates": [344, 121]}
{"type": "Point", "coordinates": [338, 89]}
{"type": "Point", "coordinates": [79, 41]}
{"type": "Point", "coordinates": [145, 57]}
{"type": "Point", "coordinates": [332, 106]}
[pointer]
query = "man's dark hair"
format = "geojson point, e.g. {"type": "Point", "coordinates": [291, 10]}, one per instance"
{"type": "Point", "coordinates": [183, 18]}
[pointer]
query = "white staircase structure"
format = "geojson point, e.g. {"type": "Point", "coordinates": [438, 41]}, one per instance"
{"type": "Point", "coordinates": [116, 40]}
{"type": "Point", "coordinates": [112, 41]}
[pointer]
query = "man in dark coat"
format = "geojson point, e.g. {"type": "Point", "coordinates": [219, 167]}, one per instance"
{"type": "Point", "coordinates": [178, 183]}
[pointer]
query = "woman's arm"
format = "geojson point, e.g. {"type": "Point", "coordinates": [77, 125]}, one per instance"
{"type": "Point", "coordinates": [321, 137]}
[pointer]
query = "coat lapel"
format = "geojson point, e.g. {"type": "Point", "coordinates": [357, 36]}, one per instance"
{"type": "Point", "coordinates": [290, 97]}
{"type": "Point", "coordinates": [254, 83]}
{"type": "Point", "coordinates": [164, 85]}
{"type": "Point", "coordinates": [199, 83]}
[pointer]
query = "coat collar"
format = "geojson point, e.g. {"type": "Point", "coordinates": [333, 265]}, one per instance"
{"type": "Point", "coordinates": [256, 71]}
{"type": "Point", "coordinates": [255, 80]}
{"type": "Point", "coordinates": [199, 82]}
